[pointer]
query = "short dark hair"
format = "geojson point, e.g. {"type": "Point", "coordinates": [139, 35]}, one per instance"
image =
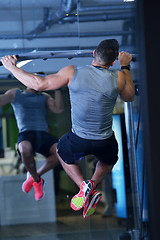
{"type": "Point", "coordinates": [108, 51]}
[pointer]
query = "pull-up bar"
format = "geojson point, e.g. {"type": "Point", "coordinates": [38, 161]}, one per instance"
{"type": "Point", "coordinates": [57, 54]}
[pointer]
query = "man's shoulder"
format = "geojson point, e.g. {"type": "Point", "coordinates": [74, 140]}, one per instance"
{"type": "Point", "coordinates": [12, 91]}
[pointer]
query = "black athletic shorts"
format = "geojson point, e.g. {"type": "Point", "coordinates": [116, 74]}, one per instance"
{"type": "Point", "coordinates": [71, 148]}
{"type": "Point", "coordinates": [41, 141]}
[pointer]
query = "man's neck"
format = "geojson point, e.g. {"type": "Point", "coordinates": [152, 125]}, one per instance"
{"type": "Point", "coordinates": [97, 64]}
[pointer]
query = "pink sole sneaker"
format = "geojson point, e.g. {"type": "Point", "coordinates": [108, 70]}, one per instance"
{"type": "Point", "coordinates": [38, 190]}
{"type": "Point", "coordinates": [78, 201]}
{"type": "Point", "coordinates": [91, 204]}
{"type": "Point", "coordinates": [28, 183]}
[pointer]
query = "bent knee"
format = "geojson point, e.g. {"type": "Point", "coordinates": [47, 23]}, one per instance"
{"type": "Point", "coordinates": [25, 151]}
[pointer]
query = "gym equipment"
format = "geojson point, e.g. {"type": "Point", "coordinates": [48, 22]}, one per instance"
{"type": "Point", "coordinates": [57, 54]}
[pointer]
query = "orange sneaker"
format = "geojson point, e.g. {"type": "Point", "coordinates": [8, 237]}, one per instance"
{"type": "Point", "coordinates": [38, 190]}
{"type": "Point", "coordinates": [91, 204]}
{"type": "Point", "coordinates": [28, 184]}
{"type": "Point", "coordinates": [78, 201]}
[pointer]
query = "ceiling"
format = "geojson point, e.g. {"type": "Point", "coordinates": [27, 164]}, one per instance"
{"type": "Point", "coordinates": [61, 25]}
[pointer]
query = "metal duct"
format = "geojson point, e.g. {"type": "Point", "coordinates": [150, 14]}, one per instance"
{"type": "Point", "coordinates": [66, 7]}
{"type": "Point", "coordinates": [83, 18]}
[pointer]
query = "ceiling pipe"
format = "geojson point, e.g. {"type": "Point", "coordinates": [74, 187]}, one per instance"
{"type": "Point", "coordinates": [115, 7]}
{"type": "Point", "coordinates": [98, 17]}
{"type": "Point", "coordinates": [27, 4]}
{"type": "Point", "coordinates": [67, 34]}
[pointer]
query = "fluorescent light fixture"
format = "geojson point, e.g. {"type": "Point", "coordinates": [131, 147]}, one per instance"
{"type": "Point", "coordinates": [128, 0]}
{"type": "Point", "coordinates": [22, 63]}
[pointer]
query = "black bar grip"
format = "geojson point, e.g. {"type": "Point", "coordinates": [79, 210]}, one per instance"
{"type": "Point", "coordinates": [17, 56]}
{"type": "Point", "coordinates": [133, 59]}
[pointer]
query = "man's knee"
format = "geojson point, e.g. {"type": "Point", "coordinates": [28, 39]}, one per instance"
{"type": "Point", "coordinates": [25, 151]}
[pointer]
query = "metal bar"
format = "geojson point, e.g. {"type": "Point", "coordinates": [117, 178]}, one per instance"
{"type": "Point", "coordinates": [56, 54]}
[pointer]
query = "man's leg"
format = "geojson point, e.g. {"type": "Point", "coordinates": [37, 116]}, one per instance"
{"type": "Point", "coordinates": [25, 149]}
{"type": "Point", "coordinates": [33, 179]}
{"type": "Point", "coordinates": [73, 171]}
{"type": "Point", "coordinates": [51, 162]}
{"type": "Point", "coordinates": [86, 187]}
{"type": "Point", "coordinates": [70, 148]}
{"type": "Point", "coordinates": [102, 170]}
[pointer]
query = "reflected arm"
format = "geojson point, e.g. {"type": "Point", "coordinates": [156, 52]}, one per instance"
{"type": "Point", "coordinates": [56, 104]}
{"type": "Point", "coordinates": [7, 97]}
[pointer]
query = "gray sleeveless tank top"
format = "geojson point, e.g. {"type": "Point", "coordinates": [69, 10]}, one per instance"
{"type": "Point", "coordinates": [93, 94]}
{"type": "Point", "coordinates": [30, 111]}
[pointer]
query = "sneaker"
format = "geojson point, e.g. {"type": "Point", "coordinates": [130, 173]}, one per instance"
{"type": "Point", "coordinates": [90, 206]}
{"type": "Point", "coordinates": [38, 189]}
{"type": "Point", "coordinates": [78, 201]}
{"type": "Point", "coordinates": [28, 184]}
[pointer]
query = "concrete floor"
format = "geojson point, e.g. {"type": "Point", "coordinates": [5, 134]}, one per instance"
{"type": "Point", "coordinates": [69, 225]}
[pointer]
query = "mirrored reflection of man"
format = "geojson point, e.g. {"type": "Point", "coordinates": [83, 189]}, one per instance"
{"type": "Point", "coordinates": [30, 109]}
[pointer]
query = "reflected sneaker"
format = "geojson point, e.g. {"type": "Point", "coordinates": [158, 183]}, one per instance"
{"type": "Point", "coordinates": [90, 205]}
{"type": "Point", "coordinates": [78, 201]}
{"type": "Point", "coordinates": [38, 189]}
{"type": "Point", "coordinates": [28, 184]}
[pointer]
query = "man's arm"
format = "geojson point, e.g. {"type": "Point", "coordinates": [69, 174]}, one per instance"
{"type": "Point", "coordinates": [55, 104]}
{"type": "Point", "coordinates": [125, 83]}
{"type": "Point", "coordinates": [50, 82]}
{"type": "Point", "coordinates": [7, 97]}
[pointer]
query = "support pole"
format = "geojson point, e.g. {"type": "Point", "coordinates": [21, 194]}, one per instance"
{"type": "Point", "coordinates": [128, 110]}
